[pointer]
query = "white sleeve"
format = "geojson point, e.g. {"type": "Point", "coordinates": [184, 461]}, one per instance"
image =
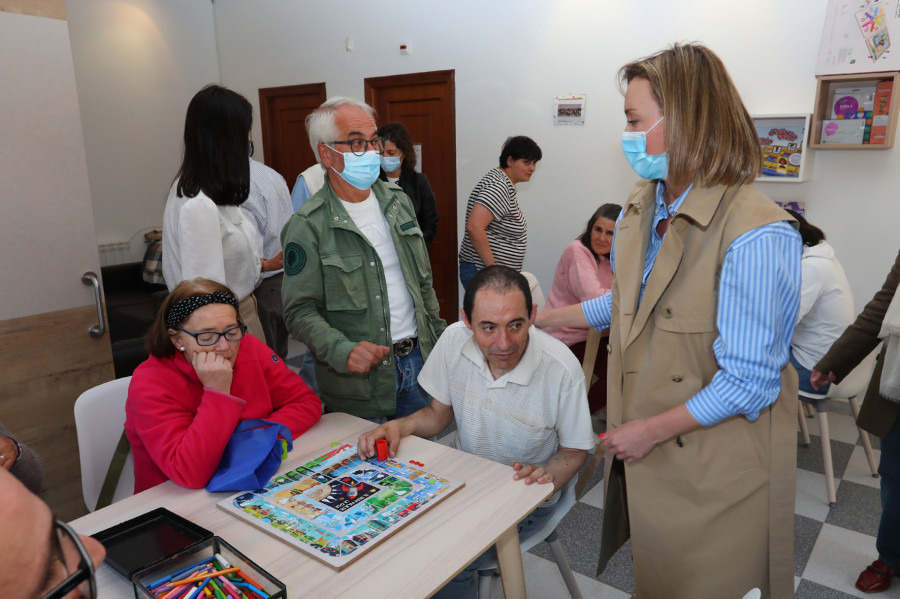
{"type": "Point", "coordinates": [433, 376]}
{"type": "Point", "coordinates": [573, 421]}
{"type": "Point", "coordinates": [201, 240]}
{"type": "Point", "coordinates": [811, 280]}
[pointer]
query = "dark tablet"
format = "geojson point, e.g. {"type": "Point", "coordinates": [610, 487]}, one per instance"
{"type": "Point", "coordinates": [147, 539]}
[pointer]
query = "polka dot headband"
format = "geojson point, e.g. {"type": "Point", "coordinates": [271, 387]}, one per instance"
{"type": "Point", "coordinates": [183, 309]}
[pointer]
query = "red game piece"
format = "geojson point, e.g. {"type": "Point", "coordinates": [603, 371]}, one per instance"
{"type": "Point", "coordinates": [381, 448]}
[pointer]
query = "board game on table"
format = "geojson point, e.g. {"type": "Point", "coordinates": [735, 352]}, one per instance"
{"type": "Point", "coordinates": [336, 507]}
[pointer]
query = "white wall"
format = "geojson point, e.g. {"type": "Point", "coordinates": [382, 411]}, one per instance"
{"type": "Point", "coordinates": [46, 229]}
{"type": "Point", "coordinates": [511, 58]}
{"type": "Point", "coordinates": [137, 65]}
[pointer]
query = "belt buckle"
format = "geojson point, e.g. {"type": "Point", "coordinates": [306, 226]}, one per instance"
{"type": "Point", "coordinates": [404, 347]}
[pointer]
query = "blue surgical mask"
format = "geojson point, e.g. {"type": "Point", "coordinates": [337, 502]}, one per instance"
{"type": "Point", "coordinates": [647, 166]}
{"type": "Point", "coordinates": [391, 163]}
{"type": "Point", "coordinates": [360, 171]}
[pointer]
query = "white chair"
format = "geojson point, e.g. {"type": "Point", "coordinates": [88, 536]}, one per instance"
{"type": "Point", "coordinates": [99, 423]}
{"type": "Point", "coordinates": [537, 294]}
{"type": "Point", "coordinates": [545, 533]}
{"type": "Point", "coordinates": [853, 384]}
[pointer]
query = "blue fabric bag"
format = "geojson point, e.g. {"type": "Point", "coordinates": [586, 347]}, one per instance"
{"type": "Point", "coordinates": [252, 456]}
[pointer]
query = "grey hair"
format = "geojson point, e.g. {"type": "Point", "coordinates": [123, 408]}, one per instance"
{"type": "Point", "coordinates": [320, 122]}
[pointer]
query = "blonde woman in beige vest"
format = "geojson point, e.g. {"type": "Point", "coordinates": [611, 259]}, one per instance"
{"type": "Point", "coordinates": [701, 407]}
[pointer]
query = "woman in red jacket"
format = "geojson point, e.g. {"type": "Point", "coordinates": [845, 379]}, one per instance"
{"type": "Point", "coordinates": [203, 377]}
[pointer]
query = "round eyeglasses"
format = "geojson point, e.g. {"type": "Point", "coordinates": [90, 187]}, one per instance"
{"type": "Point", "coordinates": [207, 338]}
{"type": "Point", "coordinates": [84, 571]}
{"type": "Point", "coordinates": [359, 146]}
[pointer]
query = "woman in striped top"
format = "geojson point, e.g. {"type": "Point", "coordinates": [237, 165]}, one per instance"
{"type": "Point", "coordinates": [496, 231]}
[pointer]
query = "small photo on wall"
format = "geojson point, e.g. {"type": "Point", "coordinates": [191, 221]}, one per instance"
{"type": "Point", "coordinates": [569, 110]}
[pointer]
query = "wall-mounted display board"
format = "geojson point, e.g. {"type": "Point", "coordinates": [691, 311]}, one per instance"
{"type": "Point", "coordinates": [855, 112]}
{"type": "Point", "coordinates": [860, 36]}
{"type": "Point", "coordinates": [783, 138]}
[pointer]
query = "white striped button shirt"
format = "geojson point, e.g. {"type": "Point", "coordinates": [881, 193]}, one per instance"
{"type": "Point", "coordinates": [269, 208]}
{"type": "Point", "coordinates": [759, 298]}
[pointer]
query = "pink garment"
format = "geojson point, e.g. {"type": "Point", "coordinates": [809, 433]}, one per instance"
{"type": "Point", "coordinates": [579, 277]}
{"type": "Point", "coordinates": [178, 429]}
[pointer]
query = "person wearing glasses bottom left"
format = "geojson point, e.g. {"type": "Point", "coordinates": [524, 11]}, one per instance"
{"type": "Point", "coordinates": [205, 375]}
{"type": "Point", "coordinates": [43, 557]}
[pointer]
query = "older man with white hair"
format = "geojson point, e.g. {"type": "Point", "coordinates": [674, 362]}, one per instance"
{"type": "Point", "coordinates": [357, 287]}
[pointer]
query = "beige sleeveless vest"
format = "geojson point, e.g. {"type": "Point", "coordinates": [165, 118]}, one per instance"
{"type": "Point", "coordinates": [711, 513]}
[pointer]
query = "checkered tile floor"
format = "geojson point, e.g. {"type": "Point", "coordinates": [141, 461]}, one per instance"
{"type": "Point", "coordinates": [831, 545]}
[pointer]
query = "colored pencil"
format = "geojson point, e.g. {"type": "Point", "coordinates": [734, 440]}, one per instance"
{"type": "Point", "coordinates": [200, 577]}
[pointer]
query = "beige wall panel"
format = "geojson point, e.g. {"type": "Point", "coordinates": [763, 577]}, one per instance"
{"type": "Point", "coordinates": [52, 9]}
{"type": "Point", "coordinates": [49, 360]}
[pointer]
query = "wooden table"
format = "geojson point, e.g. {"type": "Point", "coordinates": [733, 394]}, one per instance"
{"type": "Point", "coordinates": [415, 562]}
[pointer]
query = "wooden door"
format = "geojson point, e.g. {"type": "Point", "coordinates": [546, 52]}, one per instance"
{"type": "Point", "coordinates": [282, 117]}
{"type": "Point", "coordinates": [47, 241]}
{"type": "Point", "coordinates": [425, 104]}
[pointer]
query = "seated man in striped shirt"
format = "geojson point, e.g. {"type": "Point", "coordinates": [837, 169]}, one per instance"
{"type": "Point", "coordinates": [517, 395]}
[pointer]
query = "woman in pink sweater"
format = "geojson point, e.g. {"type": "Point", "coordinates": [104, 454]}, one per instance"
{"type": "Point", "coordinates": [584, 273]}
{"type": "Point", "coordinates": [203, 377]}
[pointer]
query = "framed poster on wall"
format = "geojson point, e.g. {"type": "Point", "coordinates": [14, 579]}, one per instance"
{"type": "Point", "coordinates": [783, 139]}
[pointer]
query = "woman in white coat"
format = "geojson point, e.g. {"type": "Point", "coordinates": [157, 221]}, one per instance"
{"type": "Point", "coordinates": [204, 232]}
{"type": "Point", "coordinates": [826, 303]}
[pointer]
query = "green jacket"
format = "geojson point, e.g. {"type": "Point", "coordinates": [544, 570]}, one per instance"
{"type": "Point", "coordinates": [335, 295]}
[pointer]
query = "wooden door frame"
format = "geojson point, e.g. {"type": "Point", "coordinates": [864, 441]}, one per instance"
{"type": "Point", "coordinates": [268, 93]}
{"type": "Point", "coordinates": [447, 77]}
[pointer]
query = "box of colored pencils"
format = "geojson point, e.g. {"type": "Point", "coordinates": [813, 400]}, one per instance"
{"type": "Point", "coordinates": [209, 569]}
{"type": "Point", "coordinates": [148, 539]}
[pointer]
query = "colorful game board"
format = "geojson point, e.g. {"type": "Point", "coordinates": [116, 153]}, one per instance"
{"type": "Point", "coordinates": [337, 506]}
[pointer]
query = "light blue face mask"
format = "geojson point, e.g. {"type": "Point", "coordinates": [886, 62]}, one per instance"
{"type": "Point", "coordinates": [360, 171]}
{"type": "Point", "coordinates": [391, 163]}
{"type": "Point", "coordinates": [647, 166]}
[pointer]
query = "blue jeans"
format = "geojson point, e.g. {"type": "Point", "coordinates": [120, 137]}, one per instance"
{"type": "Point", "coordinates": [888, 540]}
{"type": "Point", "coordinates": [464, 585]}
{"type": "Point", "coordinates": [804, 375]}
{"type": "Point", "coordinates": [467, 270]}
{"type": "Point", "coordinates": [308, 371]}
{"type": "Point", "coordinates": [410, 395]}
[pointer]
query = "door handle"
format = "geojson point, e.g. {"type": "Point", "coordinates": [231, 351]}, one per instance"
{"type": "Point", "coordinates": [96, 331]}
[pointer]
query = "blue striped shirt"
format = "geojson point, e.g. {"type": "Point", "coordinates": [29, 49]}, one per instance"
{"type": "Point", "coordinates": [759, 298]}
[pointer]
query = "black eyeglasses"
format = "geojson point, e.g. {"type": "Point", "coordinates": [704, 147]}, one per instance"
{"type": "Point", "coordinates": [359, 146]}
{"type": "Point", "coordinates": [85, 570]}
{"type": "Point", "coordinates": [208, 338]}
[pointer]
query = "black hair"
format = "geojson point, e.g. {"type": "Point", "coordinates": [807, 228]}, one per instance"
{"type": "Point", "coordinates": [519, 148]}
{"type": "Point", "coordinates": [500, 279]}
{"type": "Point", "coordinates": [608, 211]}
{"type": "Point", "coordinates": [398, 134]}
{"type": "Point", "coordinates": [217, 147]}
{"type": "Point", "coordinates": [811, 234]}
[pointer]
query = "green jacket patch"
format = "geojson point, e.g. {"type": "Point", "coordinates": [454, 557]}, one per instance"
{"type": "Point", "coordinates": [294, 258]}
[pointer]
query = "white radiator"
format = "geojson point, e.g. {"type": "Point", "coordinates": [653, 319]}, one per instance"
{"type": "Point", "coordinates": [115, 253]}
